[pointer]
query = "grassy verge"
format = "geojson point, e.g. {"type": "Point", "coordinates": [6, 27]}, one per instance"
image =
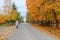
{"type": "Point", "coordinates": [7, 24]}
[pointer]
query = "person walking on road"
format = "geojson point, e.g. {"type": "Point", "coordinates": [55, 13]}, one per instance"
{"type": "Point", "coordinates": [17, 24]}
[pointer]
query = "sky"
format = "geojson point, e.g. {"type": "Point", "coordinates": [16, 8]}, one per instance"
{"type": "Point", "coordinates": [21, 5]}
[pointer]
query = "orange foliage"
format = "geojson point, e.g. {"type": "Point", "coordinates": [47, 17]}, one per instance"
{"type": "Point", "coordinates": [2, 19]}
{"type": "Point", "coordinates": [41, 9]}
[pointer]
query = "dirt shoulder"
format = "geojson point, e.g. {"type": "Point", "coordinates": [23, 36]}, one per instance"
{"type": "Point", "coordinates": [5, 32]}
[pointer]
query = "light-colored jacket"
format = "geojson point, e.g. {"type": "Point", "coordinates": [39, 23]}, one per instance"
{"type": "Point", "coordinates": [17, 23]}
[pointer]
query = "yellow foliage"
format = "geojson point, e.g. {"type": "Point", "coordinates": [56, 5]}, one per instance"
{"type": "Point", "coordinates": [8, 17]}
{"type": "Point", "coordinates": [41, 9]}
{"type": "Point", "coordinates": [14, 15]}
{"type": "Point", "coordinates": [2, 19]}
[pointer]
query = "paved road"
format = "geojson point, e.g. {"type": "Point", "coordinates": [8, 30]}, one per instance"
{"type": "Point", "coordinates": [27, 32]}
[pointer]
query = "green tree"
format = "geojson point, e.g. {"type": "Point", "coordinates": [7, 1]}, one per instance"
{"type": "Point", "coordinates": [15, 15]}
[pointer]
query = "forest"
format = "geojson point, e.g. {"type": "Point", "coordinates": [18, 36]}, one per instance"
{"type": "Point", "coordinates": [44, 12]}
{"type": "Point", "coordinates": [11, 16]}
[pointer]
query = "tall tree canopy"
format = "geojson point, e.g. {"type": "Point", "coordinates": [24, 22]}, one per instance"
{"type": "Point", "coordinates": [47, 10]}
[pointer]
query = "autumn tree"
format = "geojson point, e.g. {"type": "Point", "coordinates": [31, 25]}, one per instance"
{"type": "Point", "coordinates": [44, 10]}
{"type": "Point", "coordinates": [2, 19]}
{"type": "Point", "coordinates": [15, 14]}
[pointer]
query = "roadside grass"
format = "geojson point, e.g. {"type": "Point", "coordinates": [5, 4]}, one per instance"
{"type": "Point", "coordinates": [7, 24]}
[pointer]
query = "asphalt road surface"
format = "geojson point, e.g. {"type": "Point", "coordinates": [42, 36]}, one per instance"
{"type": "Point", "coordinates": [27, 32]}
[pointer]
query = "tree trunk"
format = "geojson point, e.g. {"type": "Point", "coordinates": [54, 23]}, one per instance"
{"type": "Point", "coordinates": [55, 17]}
